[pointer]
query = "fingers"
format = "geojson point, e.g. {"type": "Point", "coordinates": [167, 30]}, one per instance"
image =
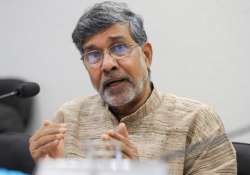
{"type": "Point", "coordinates": [49, 131]}
{"type": "Point", "coordinates": [50, 128]}
{"type": "Point", "coordinates": [121, 135]}
{"type": "Point", "coordinates": [127, 148]}
{"type": "Point", "coordinates": [129, 152]}
{"type": "Point", "coordinates": [46, 139]}
{"type": "Point", "coordinates": [47, 123]}
{"type": "Point", "coordinates": [105, 136]}
{"type": "Point", "coordinates": [117, 136]}
{"type": "Point", "coordinates": [122, 129]}
{"type": "Point", "coordinates": [42, 151]}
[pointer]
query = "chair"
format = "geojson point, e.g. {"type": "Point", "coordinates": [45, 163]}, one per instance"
{"type": "Point", "coordinates": [15, 112]}
{"type": "Point", "coordinates": [243, 157]}
{"type": "Point", "coordinates": [15, 153]}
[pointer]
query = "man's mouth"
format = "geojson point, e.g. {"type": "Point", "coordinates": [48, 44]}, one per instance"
{"type": "Point", "coordinates": [113, 83]}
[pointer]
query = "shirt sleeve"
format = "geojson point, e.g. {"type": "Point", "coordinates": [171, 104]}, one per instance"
{"type": "Point", "coordinates": [59, 116]}
{"type": "Point", "coordinates": [209, 150]}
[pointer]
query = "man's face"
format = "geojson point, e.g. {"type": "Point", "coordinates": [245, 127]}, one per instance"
{"type": "Point", "coordinates": [122, 81]}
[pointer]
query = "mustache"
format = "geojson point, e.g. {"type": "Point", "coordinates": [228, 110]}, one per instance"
{"type": "Point", "coordinates": [107, 79]}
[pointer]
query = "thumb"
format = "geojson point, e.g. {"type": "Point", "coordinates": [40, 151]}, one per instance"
{"type": "Point", "coordinates": [122, 129]}
{"type": "Point", "coordinates": [47, 123]}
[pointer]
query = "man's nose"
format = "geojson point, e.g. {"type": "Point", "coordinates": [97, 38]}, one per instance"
{"type": "Point", "coordinates": [109, 63]}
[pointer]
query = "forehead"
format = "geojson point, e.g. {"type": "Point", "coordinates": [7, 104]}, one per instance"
{"type": "Point", "coordinates": [115, 33]}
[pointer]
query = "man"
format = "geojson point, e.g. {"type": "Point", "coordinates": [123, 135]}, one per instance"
{"type": "Point", "coordinates": [128, 108]}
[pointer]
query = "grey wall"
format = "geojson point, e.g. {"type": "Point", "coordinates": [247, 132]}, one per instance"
{"type": "Point", "coordinates": [201, 50]}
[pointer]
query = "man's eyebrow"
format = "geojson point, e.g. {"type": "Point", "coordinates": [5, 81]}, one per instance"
{"type": "Point", "coordinates": [90, 47]}
{"type": "Point", "coordinates": [117, 38]}
{"type": "Point", "coordinates": [110, 39]}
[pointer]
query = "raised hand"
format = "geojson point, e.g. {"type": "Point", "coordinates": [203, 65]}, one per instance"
{"type": "Point", "coordinates": [48, 141]}
{"type": "Point", "coordinates": [121, 134]}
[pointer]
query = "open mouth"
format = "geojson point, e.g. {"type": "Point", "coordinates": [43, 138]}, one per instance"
{"type": "Point", "coordinates": [114, 83]}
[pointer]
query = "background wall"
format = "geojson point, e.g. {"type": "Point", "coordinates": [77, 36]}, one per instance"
{"type": "Point", "coordinates": [201, 50]}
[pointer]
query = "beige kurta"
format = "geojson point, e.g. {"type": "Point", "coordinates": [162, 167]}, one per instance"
{"type": "Point", "coordinates": [186, 133]}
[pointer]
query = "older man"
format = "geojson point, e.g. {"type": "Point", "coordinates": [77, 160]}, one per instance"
{"type": "Point", "coordinates": [128, 108]}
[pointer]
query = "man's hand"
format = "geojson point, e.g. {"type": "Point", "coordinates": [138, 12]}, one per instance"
{"type": "Point", "coordinates": [47, 141]}
{"type": "Point", "coordinates": [121, 134]}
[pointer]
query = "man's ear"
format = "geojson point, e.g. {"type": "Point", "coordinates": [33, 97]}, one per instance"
{"type": "Point", "coordinates": [148, 52]}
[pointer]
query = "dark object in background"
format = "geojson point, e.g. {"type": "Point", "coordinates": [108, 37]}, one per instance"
{"type": "Point", "coordinates": [14, 152]}
{"type": "Point", "coordinates": [15, 114]}
{"type": "Point", "coordinates": [10, 120]}
{"type": "Point", "coordinates": [243, 158]}
{"type": "Point", "coordinates": [14, 106]}
{"type": "Point", "coordinates": [24, 90]}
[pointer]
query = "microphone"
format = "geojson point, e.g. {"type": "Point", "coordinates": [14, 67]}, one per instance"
{"type": "Point", "coordinates": [24, 90]}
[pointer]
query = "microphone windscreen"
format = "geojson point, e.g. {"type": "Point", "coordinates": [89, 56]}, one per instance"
{"type": "Point", "coordinates": [28, 89]}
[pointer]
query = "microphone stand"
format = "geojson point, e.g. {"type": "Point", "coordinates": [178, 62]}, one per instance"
{"type": "Point", "coordinates": [8, 95]}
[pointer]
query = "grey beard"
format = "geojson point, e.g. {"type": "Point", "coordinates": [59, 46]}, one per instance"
{"type": "Point", "coordinates": [113, 100]}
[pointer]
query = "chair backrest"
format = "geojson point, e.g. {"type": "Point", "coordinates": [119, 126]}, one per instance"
{"type": "Point", "coordinates": [21, 106]}
{"type": "Point", "coordinates": [243, 157]}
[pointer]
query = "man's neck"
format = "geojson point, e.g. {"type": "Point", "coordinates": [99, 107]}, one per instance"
{"type": "Point", "coordinates": [131, 107]}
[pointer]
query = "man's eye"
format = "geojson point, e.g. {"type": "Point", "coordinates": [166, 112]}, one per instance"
{"type": "Point", "coordinates": [119, 49]}
{"type": "Point", "coordinates": [93, 57]}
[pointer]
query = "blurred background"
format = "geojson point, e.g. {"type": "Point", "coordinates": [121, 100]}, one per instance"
{"type": "Point", "coordinates": [201, 51]}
